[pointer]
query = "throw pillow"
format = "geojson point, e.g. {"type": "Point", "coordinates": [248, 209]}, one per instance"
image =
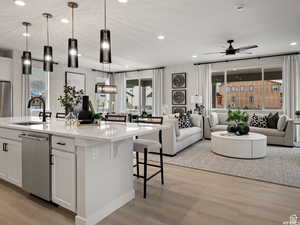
{"type": "Point", "coordinates": [184, 121]}
{"type": "Point", "coordinates": [213, 119]}
{"type": "Point", "coordinates": [282, 122]}
{"type": "Point", "coordinates": [258, 121]}
{"type": "Point", "coordinates": [272, 120]}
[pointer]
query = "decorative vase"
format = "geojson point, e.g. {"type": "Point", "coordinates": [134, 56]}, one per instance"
{"type": "Point", "coordinates": [70, 119]}
{"type": "Point", "coordinates": [243, 129]}
{"type": "Point", "coordinates": [231, 128]}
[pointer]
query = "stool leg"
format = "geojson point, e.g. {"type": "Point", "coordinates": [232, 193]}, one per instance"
{"type": "Point", "coordinates": [161, 166]}
{"type": "Point", "coordinates": [145, 171]}
{"type": "Point", "coordinates": [137, 165]}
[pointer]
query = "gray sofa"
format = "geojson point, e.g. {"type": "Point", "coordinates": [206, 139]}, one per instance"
{"type": "Point", "coordinates": [274, 136]}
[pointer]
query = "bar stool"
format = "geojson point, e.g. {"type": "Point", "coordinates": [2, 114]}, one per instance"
{"type": "Point", "coordinates": [144, 146]}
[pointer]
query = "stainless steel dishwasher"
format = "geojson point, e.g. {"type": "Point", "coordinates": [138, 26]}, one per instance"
{"type": "Point", "coordinates": [36, 164]}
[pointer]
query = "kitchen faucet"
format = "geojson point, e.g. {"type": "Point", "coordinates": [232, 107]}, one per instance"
{"type": "Point", "coordinates": [44, 105]}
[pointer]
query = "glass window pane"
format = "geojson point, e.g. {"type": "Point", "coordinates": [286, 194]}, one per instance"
{"type": "Point", "coordinates": [246, 89]}
{"type": "Point", "coordinates": [38, 86]}
{"type": "Point", "coordinates": [218, 86]}
{"type": "Point", "coordinates": [273, 93]}
{"type": "Point", "coordinates": [132, 96]}
{"type": "Point", "coordinates": [146, 95]}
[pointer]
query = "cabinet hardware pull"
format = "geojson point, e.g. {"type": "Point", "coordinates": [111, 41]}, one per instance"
{"type": "Point", "coordinates": [59, 143]}
{"type": "Point", "coordinates": [5, 147]}
{"type": "Point", "coordinates": [51, 160]}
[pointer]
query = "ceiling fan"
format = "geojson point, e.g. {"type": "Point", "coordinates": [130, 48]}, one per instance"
{"type": "Point", "coordinates": [233, 51]}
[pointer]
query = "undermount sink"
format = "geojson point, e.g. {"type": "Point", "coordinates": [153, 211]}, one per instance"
{"type": "Point", "coordinates": [28, 123]}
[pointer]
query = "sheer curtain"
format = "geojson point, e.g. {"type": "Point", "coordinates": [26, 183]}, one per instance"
{"type": "Point", "coordinates": [119, 81]}
{"type": "Point", "coordinates": [158, 93]}
{"type": "Point", "coordinates": [204, 84]}
{"type": "Point", "coordinates": [291, 83]}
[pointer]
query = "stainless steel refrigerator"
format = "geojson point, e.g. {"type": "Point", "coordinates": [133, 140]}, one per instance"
{"type": "Point", "coordinates": [5, 99]}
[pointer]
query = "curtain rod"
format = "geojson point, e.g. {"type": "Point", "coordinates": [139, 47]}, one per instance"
{"type": "Point", "coordinates": [102, 71]}
{"type": "Point", "coordinates": [240, 59]}
{"type": "Point", "coordinates": [40, 60]}
{"type": "Point", "coordinates": [139, 70]}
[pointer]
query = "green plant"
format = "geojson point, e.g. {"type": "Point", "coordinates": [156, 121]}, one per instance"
{"type": "Point", "coordinates": [70, 98]}
{"type": "Point", "coordinates": [237, 116]}
{"type": "Point", "coordinates": [297, 112]}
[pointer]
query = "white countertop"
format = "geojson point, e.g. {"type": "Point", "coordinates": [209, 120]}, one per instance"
{"type": "Point", "coordinates": [107, 131]}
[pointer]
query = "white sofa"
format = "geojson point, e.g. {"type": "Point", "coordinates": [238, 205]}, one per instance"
{"type": "Point", "coordinates": [175, 139]}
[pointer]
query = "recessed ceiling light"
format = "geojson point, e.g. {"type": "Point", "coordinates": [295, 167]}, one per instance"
{"type": "Point", "coordinates": [123, 1]}
{"type": "Point", "coordinates": [127, 66]}
{"type": "Point", "coordinates": [26, 34]}
{"type": "Point", "coordinates": [19, 2]}
{"type": "Point", "coordinates": [194, 56]}
{"type": "Point", "coordinates": [160, 37]}
{"type": "Point", "coordinates": [293, 43]}
{"type": "Point", "coordinates": [64, 20]}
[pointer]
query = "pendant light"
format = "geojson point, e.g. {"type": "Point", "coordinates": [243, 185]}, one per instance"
{"type": "Point", "coordinates": [48, 54]}
{"type": "Point", "coordinates": [72, 42]}
{"type": "Point", "coordinates": [26, 58]}
{"type": "Point", "coordinates": [105, 43]}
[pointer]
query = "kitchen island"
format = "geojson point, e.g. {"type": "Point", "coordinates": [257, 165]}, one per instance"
{"type": "Point", "coordinates": [91, 166]}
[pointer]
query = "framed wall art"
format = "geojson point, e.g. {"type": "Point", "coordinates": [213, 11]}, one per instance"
{"type": "Point", "coordinates": [178, 109]}
{"type": "Point", "coordinates": [178, 97]}
{"type": "Point", "coordinates": [178, 80]}
{"type": "Point", "coordinates": [76, 79]}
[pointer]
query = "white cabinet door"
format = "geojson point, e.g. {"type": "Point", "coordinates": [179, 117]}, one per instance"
{"type": "Point", "coordinates": [11, 161]}
{"type": "Point", "coordinates": [3, 161]}
{"type": "Point", "coordinates": [64, 179]}
{"type": "Point", "coordinates": [14, 159]}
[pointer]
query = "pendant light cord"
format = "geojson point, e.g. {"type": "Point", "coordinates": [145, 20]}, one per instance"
{"type": "Point", "coordinates": [104, 14]}
{"type": "Point", "coordinates": [47, 30]}
{"type": "Point", "coordinates": [26, 38]}
{"type": "Point", "coordinates": [72, 23]}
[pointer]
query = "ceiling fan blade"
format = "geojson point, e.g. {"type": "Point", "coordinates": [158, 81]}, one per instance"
{"type": "Point", "coordinates": [246, 48]}
{"type": "Point", "coordinates": [246, 53]}
{"type": "Point", "coordinates": [214, 53]}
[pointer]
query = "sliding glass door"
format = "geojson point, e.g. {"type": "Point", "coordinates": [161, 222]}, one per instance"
{"type": "Point", "coordinates": [139, 95]}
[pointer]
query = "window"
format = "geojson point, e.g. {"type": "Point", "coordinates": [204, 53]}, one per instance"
{"type": "Point", "coordinates": [251, 100]}
{"type": "Point", "coordinates": [132, 96]}
{"type": "Point", "coordinates": [102, 101]}
{"type": "Point", "coordinates": [273, 88]}
{"type": "Point", "coordinates": [233, 100]}
{"type": "Point", "coordinates": [146, 95]}
{"type": "Point", "coordinates": [39, 86]}
{"type": "Point", "coordinates": [139, 95]}
{"type": "Point", "coordinates": [254, 89]}
{"type": "Point", "coordinates": [218, 86]}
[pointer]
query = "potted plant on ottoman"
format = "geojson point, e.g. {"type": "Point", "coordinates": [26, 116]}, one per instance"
{"type": "Point", "coordinates": [240, 122]}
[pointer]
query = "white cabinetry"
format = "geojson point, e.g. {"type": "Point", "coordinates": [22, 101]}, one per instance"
{"type": "Point", "coordinates": [64, 174]}
{"type": "Point", "coordinates": [11, 161]}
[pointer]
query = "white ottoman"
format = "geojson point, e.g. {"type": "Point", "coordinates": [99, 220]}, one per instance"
{"type": "Point", "coordinates": [251, 146]}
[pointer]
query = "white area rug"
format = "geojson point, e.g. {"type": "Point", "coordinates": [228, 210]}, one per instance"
{"type": "Point", "coordinates": [281, 165]}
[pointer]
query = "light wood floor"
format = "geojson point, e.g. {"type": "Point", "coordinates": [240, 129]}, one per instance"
{"type": "Point", "coordinates": [189, 197]}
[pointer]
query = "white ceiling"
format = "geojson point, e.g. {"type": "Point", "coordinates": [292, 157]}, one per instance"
{"type": "Point", "coordinates": [190, 26]}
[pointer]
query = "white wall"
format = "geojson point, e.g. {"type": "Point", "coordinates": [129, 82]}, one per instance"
{"type": "Point", "coordinates": [6, 69]}
{"type": "Point", "coordinates": [191, 85]}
